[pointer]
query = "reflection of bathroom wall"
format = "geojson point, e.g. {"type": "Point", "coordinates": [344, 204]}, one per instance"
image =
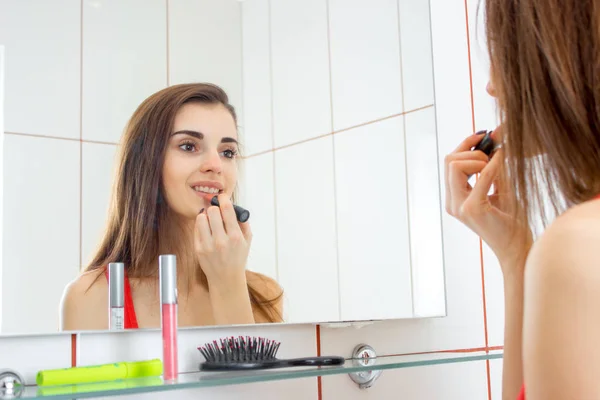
{"type": "Point", "coordinates": [72, 81]}
{"type": "Point", "coordinates": [340, 127]}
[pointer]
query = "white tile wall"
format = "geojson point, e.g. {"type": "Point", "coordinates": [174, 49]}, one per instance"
{"type": "Point", "coordinates": [256, 132]}
{"type": "Point", "coordinates": [41, 223]}
{"type": "Point", "coordinates": [417, 59]}
{"type": "Point", "coordinates": [371, 203]}
{"type": "Point", "coordinates": [257, 195]}
{"type": "Point", "coordinates": [300, 67]}
{"type": "Point", "coordinates": [205, 45]}
{"type": "Point", "coordinates": [29, 354]}
{"type": "Point", "coordinates": [98, 168]}
{"type": "Point", "coordinates": [122, 65]}
{"type": "Point", "coordinates": [306, 233]}
{"type": "Point", "coordinates": [38, 33]}
{"type": "Point", "coordinates": [424, 210]}
{"type": "Point", "coordinates": [365, 61]}
{"type": "Point", "coordinates": [496, 378]}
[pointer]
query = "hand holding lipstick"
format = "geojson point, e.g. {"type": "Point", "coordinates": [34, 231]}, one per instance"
{"type": "Point", "coordinates": [488, 215]}
{"type": "Point", "coordinates": [222, 243]}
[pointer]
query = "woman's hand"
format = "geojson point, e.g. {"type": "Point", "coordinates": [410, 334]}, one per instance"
{"type": "Point", "coordinates": [222, 244]}
{"type": "Point", "coordinates": [486, 215]}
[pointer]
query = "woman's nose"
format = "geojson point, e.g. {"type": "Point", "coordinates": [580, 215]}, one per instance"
{"type": "Point", "coordinates": [211, 162]}
{"type": "Point", "coordinates": [490, 89]}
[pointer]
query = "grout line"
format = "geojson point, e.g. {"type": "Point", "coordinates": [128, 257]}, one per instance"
{"type": "Point", "coordinates": [336, 132]}
{"type": "Point", "coordinates": [319, 381]}
{"type": "Point", "coordinates": [276, 230]}
{"type": "Point", "coordinates": [81, 139]}
{"type": "Point", "coordinates": [485, 326]}
{"type": "Point", "coordinates": [168, 47]}
{"type": "Point", "coordinates": [60, 138]}
{"type": "Point", "coordinates": [406, 174]}
{"type": "Point", "coordinates": [335, 195]}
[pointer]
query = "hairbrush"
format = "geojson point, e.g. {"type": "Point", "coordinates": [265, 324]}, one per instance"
{"type": "Point", "coordinates": [241, 213]}
{"type": "Point", "coordinates": [248, 353]}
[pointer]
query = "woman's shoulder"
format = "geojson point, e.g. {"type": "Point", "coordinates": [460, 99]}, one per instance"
{"type": "Point", "coordinates": [83, 304]}
{"type": "Point", "coordinates": [569, 245]}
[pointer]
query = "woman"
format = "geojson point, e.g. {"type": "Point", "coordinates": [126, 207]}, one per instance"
{"type": "Point", "coordinates": [179, 150]}
{"type": "Point", "coordinates": [545, 58]}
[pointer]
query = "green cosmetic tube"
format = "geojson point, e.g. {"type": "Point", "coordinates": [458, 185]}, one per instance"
{"type": "Point", "coordinates": [100, 373]}
{"type": "Point", "coordinates": [99, 387]}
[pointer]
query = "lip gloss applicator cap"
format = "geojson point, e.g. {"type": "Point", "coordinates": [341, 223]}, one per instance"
{"type": "Point", "coordinates": [116, 295]}
{"type": "Point", "coordinates": [116, 280]}
{"type": "Point", "coordinates": [168, 278]}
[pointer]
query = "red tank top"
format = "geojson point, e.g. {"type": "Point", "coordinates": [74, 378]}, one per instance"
{"type": "Point", "coordinates": [521, 395]}
{"type": "Point", "coordinates": [130, 318]}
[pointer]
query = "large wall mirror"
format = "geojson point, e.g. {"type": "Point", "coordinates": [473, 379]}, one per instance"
{"type": "Point", "coordinates": [338, 157]}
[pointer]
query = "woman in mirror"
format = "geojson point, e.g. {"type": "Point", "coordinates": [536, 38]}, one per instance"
{"type": "Point", "coordinates": [545, 75]}
{"type": "Point", "coordinates": [179, 150]}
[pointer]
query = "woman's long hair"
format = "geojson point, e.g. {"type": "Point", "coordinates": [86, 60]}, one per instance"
{"type": "Point", "coordinates": [545, 58]}
{"type": "Point", "coordinates": [140, 224]}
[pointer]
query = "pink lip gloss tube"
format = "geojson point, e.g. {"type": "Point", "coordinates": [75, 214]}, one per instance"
{"type": "Point", "coordinates": [167, 265]}
{"type": "Point", "coordinates": [116, 296]}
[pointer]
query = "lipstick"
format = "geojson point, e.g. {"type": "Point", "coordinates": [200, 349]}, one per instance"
{"type": "Point", "coordinates": [241, 213]}
{"type": "Point", "coordinates": [167, 265]}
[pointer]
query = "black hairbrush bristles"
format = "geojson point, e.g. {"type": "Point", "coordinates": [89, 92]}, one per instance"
{"type": "Point", "coordinates": [240, 349]}
{"type": "Point", "coordinates": [243, 353]}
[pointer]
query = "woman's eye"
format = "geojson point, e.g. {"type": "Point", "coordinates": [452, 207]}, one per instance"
{"type": "Point", "coordinates": [229, 153]}
{"type": "Point", "coordinates": [188, 147]}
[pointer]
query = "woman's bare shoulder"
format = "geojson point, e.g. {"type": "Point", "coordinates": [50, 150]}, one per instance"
{"type": "Point", "coordinates": [84, 302]}
{"type": "Point", "coordinates": [560, 316]}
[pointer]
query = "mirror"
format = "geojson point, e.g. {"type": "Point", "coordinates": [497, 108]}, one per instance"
{"type": "Point", "coordinates": [338, 161]}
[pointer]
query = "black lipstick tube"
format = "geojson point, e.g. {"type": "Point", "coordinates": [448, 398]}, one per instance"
{"type": "Point", "coordinates": [241, 213]}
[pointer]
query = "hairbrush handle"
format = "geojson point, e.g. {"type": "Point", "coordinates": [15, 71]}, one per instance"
{"type": "Point", "coordinates": [241, 213]}
{"type": "Point", "coordinates": [312, 361]}
{"type": "Point", "coordinates": [268, 364]}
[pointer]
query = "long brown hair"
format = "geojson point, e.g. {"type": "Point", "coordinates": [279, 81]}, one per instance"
{"type": "Point", "coordinates": [545, 58]}
{"type": "Point", "coordinates": [140, 224]}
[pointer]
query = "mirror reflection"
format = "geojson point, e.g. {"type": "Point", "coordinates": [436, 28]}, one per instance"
{"type": "Point", "coordinates": [283, 151]}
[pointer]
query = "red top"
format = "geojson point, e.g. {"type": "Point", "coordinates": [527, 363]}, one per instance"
{"type": "Point", "coordinates": [130, 318]}
{"type": "Point", "coordinates": [521, 393]}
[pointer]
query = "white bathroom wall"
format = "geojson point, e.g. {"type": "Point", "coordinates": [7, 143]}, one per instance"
{"type": "Point", "coordinates": [469, 325]}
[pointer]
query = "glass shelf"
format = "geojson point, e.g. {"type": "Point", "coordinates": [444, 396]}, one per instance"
{"type": "Point", "coordinates": [207, 379]}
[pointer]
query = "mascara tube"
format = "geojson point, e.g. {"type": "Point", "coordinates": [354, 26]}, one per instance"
{"type": "Point", "coordinates": [167, 265]}
{"type": "Point", "coordinates": [116, 296]}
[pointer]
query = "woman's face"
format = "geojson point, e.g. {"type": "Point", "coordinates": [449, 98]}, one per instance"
{"type": "Point", "coordinates": [201, 158]}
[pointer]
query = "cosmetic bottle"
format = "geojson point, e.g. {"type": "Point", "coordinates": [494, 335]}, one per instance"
{"type": "Point", "coordinates": [167, 265]}
{"type": "Point", "coordinates": [116, 295]}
